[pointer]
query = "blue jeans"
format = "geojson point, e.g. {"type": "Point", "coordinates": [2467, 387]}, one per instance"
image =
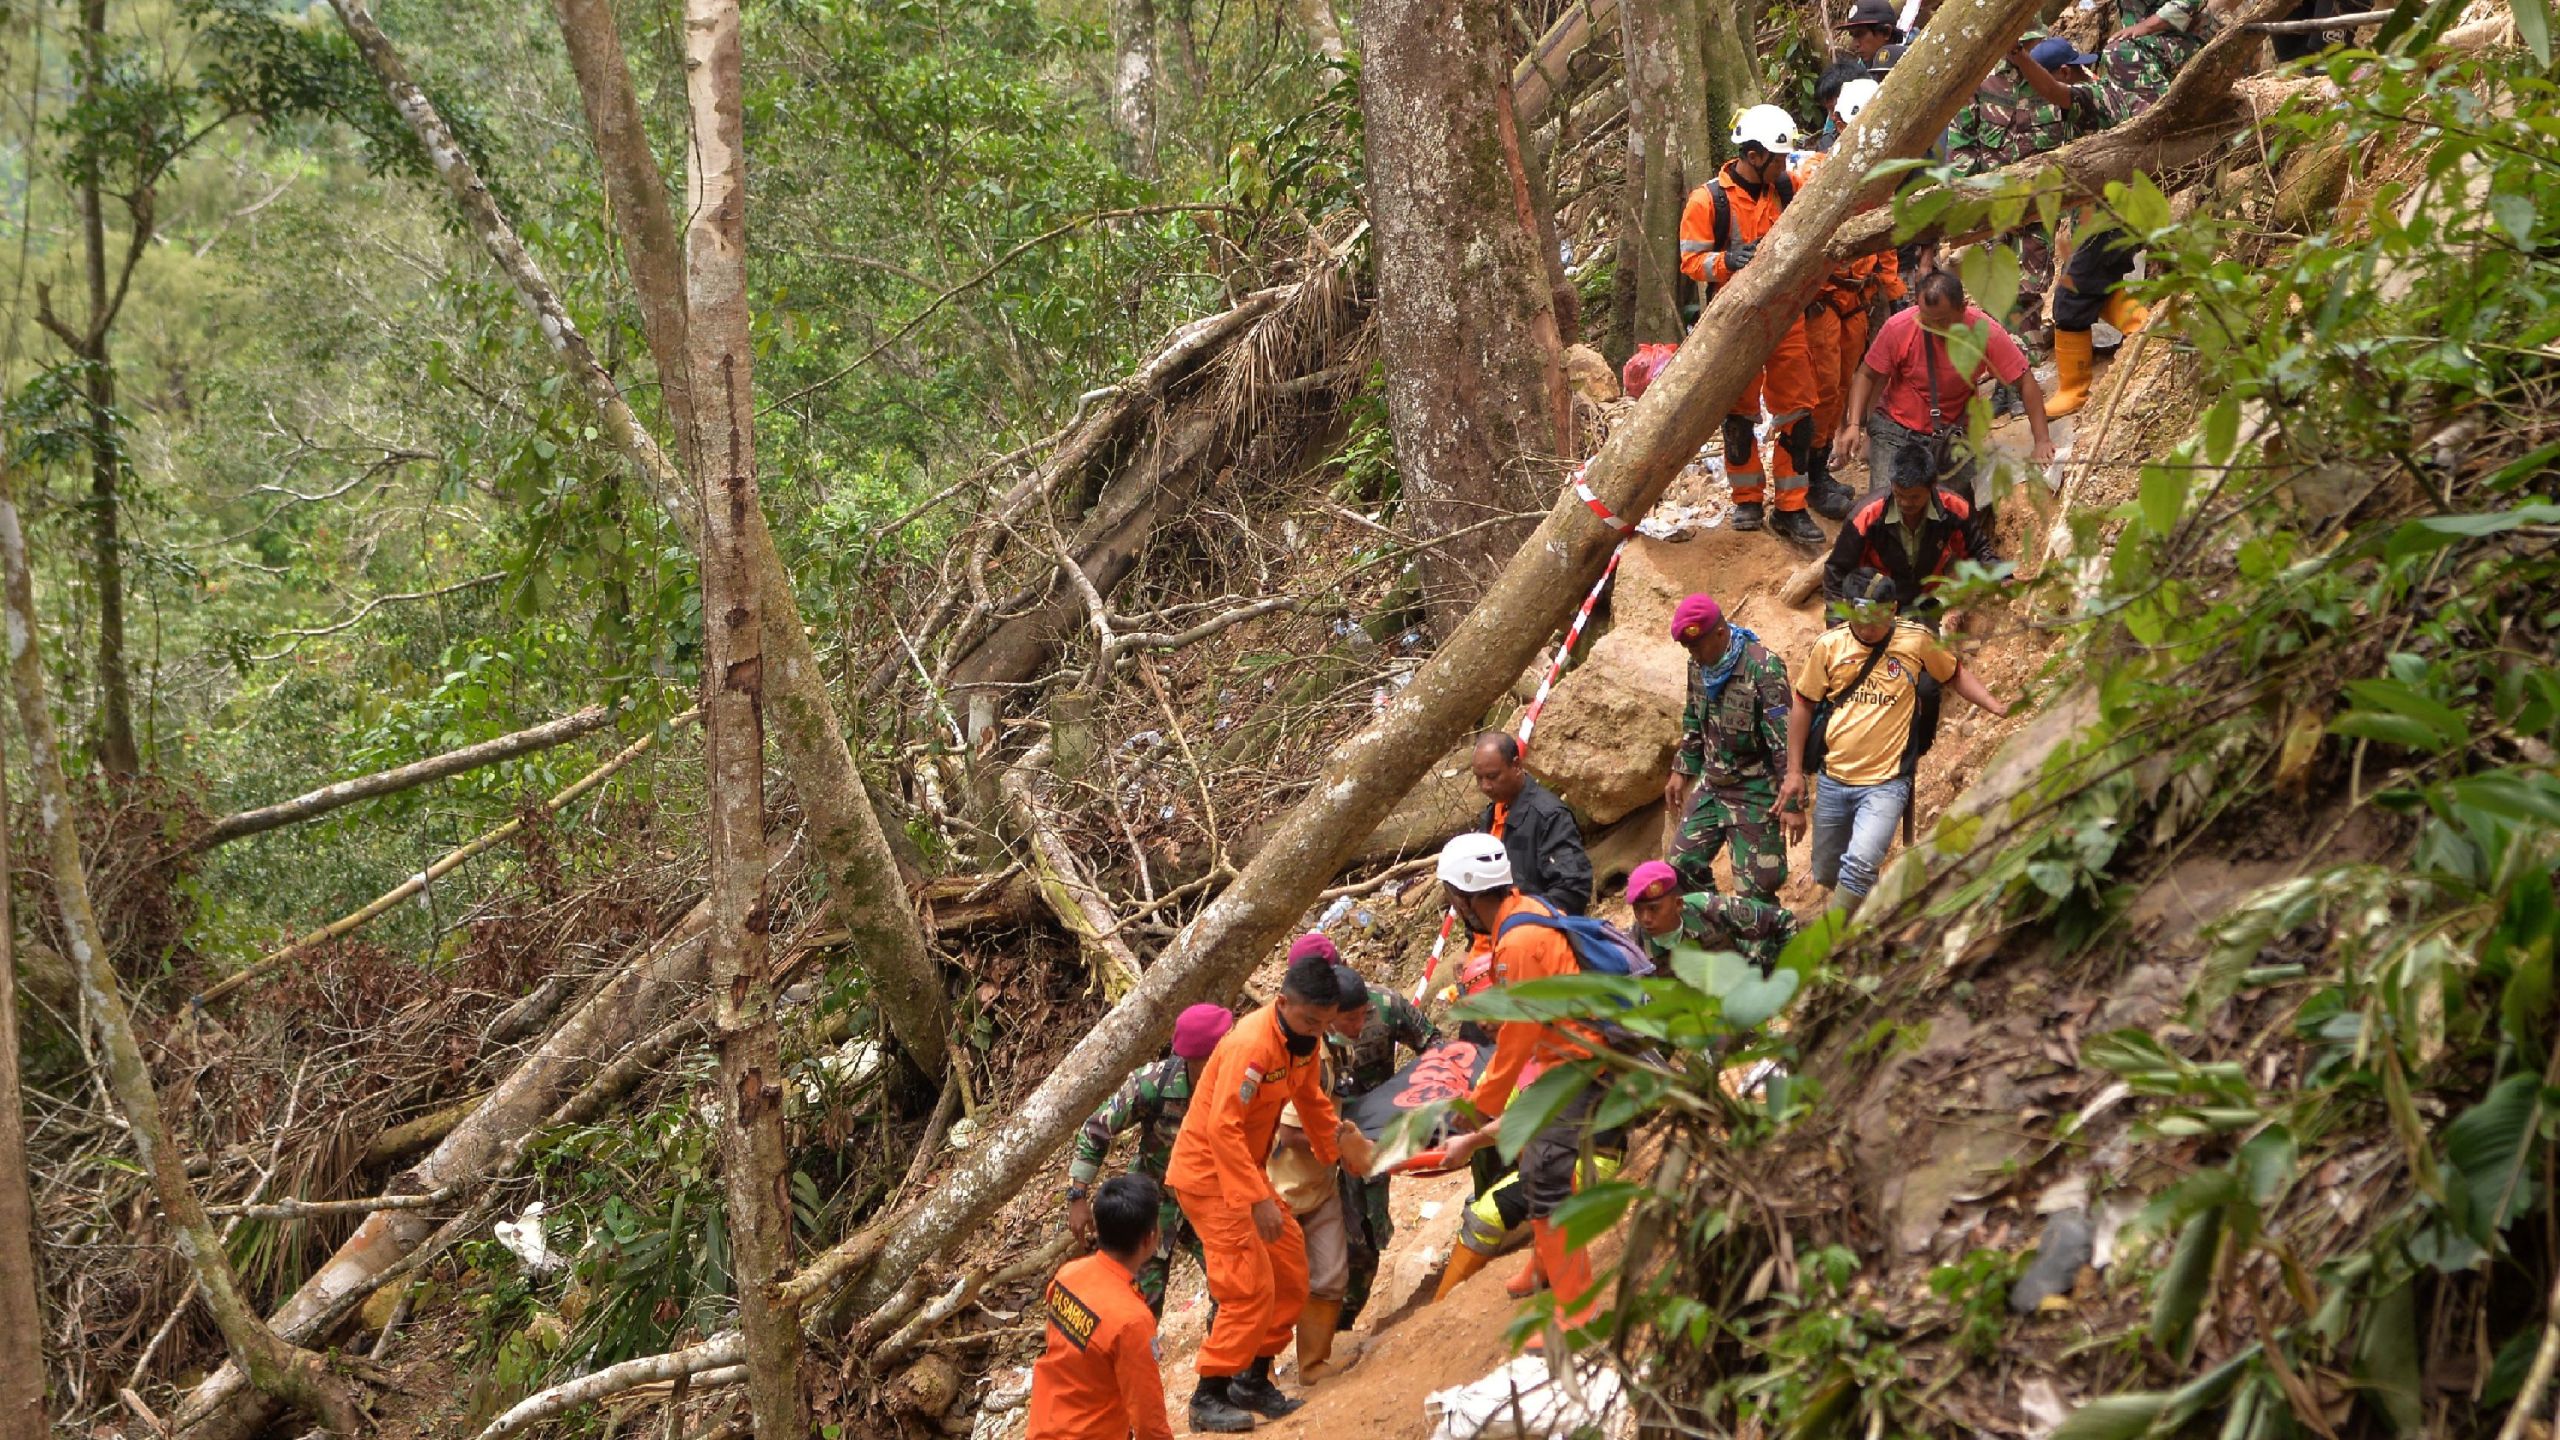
{"type": "Point", "coordinates": [1853, 830]}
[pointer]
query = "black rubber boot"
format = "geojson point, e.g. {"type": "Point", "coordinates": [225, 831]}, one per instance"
{"type": "Point", "coordinates": [1213, 1412]}
{"type": "Point", "coordinates": [1254, 1391]}
{"type": "Point", "coordinates": [1829, 498]}
{"type": "Point", "coordinates": [1797, 525]}
{"type": "Point", "coordinates": [1746, 515]}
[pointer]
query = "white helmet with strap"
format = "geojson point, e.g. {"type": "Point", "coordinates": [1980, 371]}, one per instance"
{"type": "Point", "coordinates": [1766, 126]}
{"type": "Point", "coordinates": [1475, 863]}
{"type": "Point", "coordinates": [1854, 97]}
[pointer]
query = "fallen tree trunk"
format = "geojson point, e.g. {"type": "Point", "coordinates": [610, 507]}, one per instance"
{"type": "Point", "coordinates": [864, 889]}
{"type": "Point", "coordinates": [1547, 70]}
{"type": "Point", "coordinates": [1071, 894]}
{"type": "Point", "coordinates": [2199, 111]}
{"type": "Point", "coordinates": [1532, 597]}
{"type": "Point", "coordinates": [320, 802]}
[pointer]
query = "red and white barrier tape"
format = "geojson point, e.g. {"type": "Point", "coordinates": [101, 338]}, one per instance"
{"type": "Point", "coordinates": [1538, 702]}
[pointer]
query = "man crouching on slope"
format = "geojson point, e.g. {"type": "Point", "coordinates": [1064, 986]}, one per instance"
{"type": "Point", "coordinates": [1475, 873]}
{"type": "Point", "coordinates": [1254, 1253]}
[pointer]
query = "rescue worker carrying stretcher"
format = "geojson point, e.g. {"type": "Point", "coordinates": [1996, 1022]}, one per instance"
{"type": "Point", "coordinates": [1720, 231]}
{"type": "Point", "coordinates": [1251, 1246]}
{"type": "Point", "coordinates": [1475, 876]}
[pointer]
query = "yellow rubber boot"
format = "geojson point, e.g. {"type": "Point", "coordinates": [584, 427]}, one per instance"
{"type": "Point", "coordinates": [2072, 358]}
{"type": "Point", "coordinates": [1318, 1326]}
{"type": "Point", "coordinates": [2125, 313]}
{"type": "Point", "coordinates": [1462, 1267]}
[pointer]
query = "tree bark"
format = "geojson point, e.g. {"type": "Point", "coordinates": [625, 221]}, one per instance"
{"type": "Point", "coordinates": [1534, 596]}
{"type": "Point", "coordinates": [117, 750]}
{"type": "Point", "coordinates": [313, 805]}
{"type": "Point", "coordinates": [1133, 82]}
{"type": "Point", "coordinates": [1475, 383]}
{"type": "Point", "coordinates": [867, 895]}
{"type": "Point", "coordinates": [637, 189]}
{"type": "Point", "coordinates": [755, 1158]}
{"type": "Point", "coordinates": [275, 1367]}
{"type": "Point", "coordinates": [1545, 72]}
{"type": "Point", "coordinates": [22, 1414]}
{"type": "Point", "coordinates": [1324, 30]}
{"type": "Point", "coordinates": [1666, 108]}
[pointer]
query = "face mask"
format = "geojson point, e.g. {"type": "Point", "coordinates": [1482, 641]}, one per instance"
{"type": "Point", "coordinates": [1298, 1044]}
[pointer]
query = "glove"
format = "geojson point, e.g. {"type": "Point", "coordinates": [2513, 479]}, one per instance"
{"type": "Point", "coordinates": [1739, 256]}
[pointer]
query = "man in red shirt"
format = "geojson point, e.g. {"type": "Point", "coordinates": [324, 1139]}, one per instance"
{"type": "Point", "coordinates": [1098, 1378]}
{"type": "Point", "coordinates": [1919, 430]}
{"type": "Point", "coordinates": [1475, 874]}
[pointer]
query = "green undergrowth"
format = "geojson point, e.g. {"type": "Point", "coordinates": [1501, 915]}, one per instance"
{"type": "Point", "coordinates": [2318, 640]}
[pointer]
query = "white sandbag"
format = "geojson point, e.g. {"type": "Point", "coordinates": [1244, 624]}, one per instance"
{"type": "Point", "coordinates": [1523, 1401]}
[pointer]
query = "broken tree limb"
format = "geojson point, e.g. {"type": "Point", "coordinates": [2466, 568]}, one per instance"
{"type": "Point", "coordinates": [411, 1136]}
{"type": "Point", "coordinates": [1548, 68]}
{"type": "Point", "coordinates": [313, 805]}
{"type": "Point", "coordinates": [863, 886]}
{"type": "Point", "coordinates": [444, 865]}
{"type": "Point", "coordinates": [2197, 113]}
{"type": "Point", "coordinates": [1528, 602]}
{"type": "Point", "coordinates": [1071, 894]}
{"type": "Point", "coordinates": [274, 1366]}
{"type": "Point", "coordinates": [717, 1353]}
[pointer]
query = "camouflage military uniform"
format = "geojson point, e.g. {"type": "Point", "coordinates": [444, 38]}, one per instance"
{"type": "Point", "coordinates": [2138, 71]}
{"type": "Point", "coordinates": [2007, 123]}
{"type": "Point", "coordinates": [1734, 747]}
{"type": "Point", "coordinates": [1360, 1066]}
{"type": "Point", "coordinates": [1758, 930]}
{"type": "Point", "coordinates": [1151, 1102]}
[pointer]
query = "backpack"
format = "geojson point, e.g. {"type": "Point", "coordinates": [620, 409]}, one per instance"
{"type": "Point", "coordinates": [1785, 186]}
{"type": "Point", "coordinates": [1648, 361]}
{"type": "Point", "coordinates": [1598, 946]}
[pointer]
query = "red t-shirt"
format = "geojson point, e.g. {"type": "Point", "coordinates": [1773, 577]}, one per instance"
{"type": "Point", "coordinates": [1895, 355]}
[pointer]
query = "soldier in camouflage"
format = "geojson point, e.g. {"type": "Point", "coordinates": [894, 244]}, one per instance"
{"type": "Point", "coordinates": [1757, 930]}
{"type": "Point", "coordinates": [1151, 1102]}
{"type": "Point", "coordinates": [1733, 748]}
{"type": "Point", "coordinates": [2044, 103]}
{"type": "Point", "coordinates": [2154, 40]}
{"type": "Point", "coordinates": [1362, 1049]}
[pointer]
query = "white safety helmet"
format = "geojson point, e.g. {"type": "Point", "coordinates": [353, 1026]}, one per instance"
{"type": "Point", "coordinates": [1766, 126]}
{"type": "Point", "coordinates": [1853, 98]}
{"type": "Point", "coordinates": [1475, 863]}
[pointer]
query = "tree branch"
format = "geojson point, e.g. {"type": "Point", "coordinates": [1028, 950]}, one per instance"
{"type": "Point", "coordinates": [368, 607]}
{"type": "Point", "coordinates": [316, 803]}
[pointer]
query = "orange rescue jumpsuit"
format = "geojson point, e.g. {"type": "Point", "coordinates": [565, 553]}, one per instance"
{"type": "Point", "coordinates": [1835, 326]}
{"type": "Point", "coordinates": [1218, 1172]}
{"type": "Point", "coordinates": [1532, 952]}
{"type": "Point", "coordinates": [1787, 380]}
{"type": "Point", "coordinates": [1098, 1378]}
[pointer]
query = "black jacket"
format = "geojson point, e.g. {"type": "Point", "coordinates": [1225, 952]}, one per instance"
{"type": "Point", "coordinates": [1545, 846]}
{"type": "Point", "coordinates": [1867, 541]}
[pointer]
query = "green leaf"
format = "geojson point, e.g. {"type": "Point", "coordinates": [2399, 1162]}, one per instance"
{"type": "Point", "coordinates": [2490, 1146]}
{"type": "Point", "coordinates": [1530, 1111]}
{"type": "Point", "coordinates": [2179, 1295]}
{"type": "Point", "coordinates": [2116, 1417]}
{"type": "Point", "coordinates": [1750, 1004]}
{"type": "Point", "coordinates": [2417, 537]}
{"type": "Point", "coordinates": [2268, 1161]}
{"type": "Point", "coordinates": [2515, 213]}
{"type": "Point", "coordinates": [2533, 26]}
{"type": "Point", "coordinates": [2391, 697]}
{"type": "Point", "coordinates": [2164, 494]}
{"type": "Point", "coordinates": [2507, 1371]}
{"type": "Point", "coordinates": [2222, 429]}
{"type": "Point", "coordinates": [1593, 1209]}
{"type": "Point", "coordinates": [2387, 1359]}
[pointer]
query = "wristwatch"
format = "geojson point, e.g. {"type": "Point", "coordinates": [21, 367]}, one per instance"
{"type": "Point", "coordinates": [1078, 1190]}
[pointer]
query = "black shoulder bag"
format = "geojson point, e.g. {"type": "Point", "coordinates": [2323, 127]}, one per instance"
{"type": "Point", "coordinates": [1815, 745]}
{"type": "Point", "coordinates": [1942, 441]}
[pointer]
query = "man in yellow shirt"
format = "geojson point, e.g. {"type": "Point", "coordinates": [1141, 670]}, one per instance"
{"type": "Point", "coordinates": [1864, 681]}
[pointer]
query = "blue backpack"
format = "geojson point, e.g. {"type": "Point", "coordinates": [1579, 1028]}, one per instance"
{"type": "Point", "coordinates": [1598, 946]}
